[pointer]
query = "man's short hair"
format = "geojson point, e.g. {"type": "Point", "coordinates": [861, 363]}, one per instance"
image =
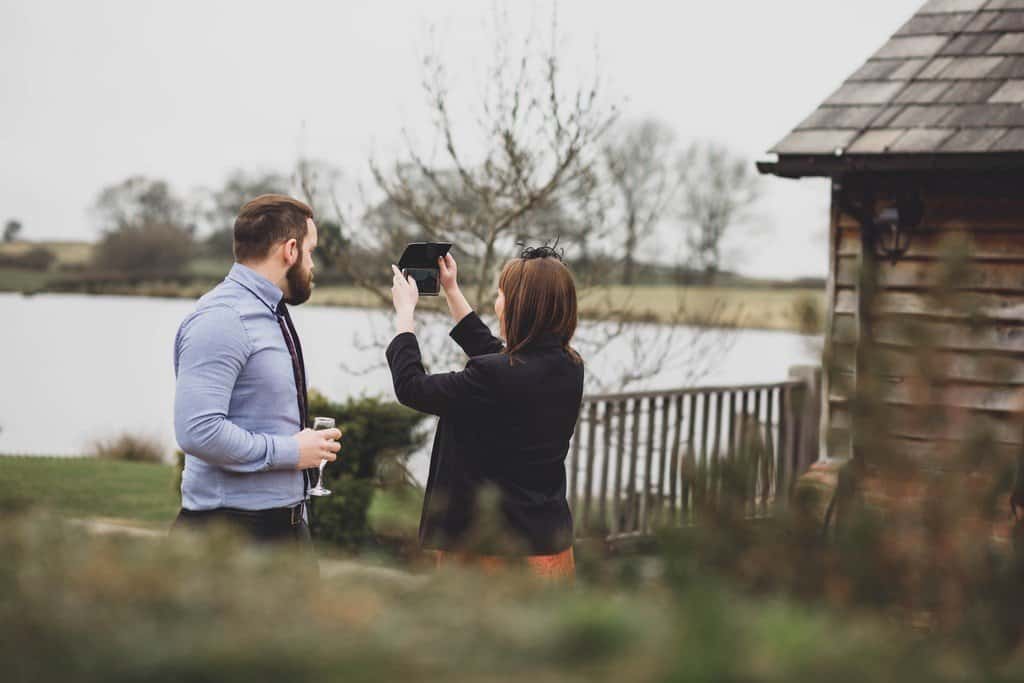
{"type": "Point", "coordinates": [267, 220]}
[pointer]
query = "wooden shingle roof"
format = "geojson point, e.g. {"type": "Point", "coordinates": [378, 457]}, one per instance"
{"type": "Point", "coordinates": [947, 87]}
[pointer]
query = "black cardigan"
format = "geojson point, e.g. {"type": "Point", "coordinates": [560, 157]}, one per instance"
{"type": "Point", "coordinates": [503, 425]}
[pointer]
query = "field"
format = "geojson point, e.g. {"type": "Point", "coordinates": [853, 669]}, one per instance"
{"type": "Point", "coordinates": [67, 253]}
{"type": "Point", "coordinates": [758, 308]}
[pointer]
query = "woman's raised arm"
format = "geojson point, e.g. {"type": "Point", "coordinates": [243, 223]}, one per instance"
{"type": "Point", "coordinates": [458, 307]}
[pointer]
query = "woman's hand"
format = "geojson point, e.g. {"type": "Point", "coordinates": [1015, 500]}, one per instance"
{"type": "Point", "coordinates": [404, 294]}
{"type": "Point", "coordinates": [457, 304]}
{"type": "Point", "coordinates": [449, 273]}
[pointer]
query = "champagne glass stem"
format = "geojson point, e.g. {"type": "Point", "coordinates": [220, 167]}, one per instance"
{"type": "Point", "coordinates": [320, 480]}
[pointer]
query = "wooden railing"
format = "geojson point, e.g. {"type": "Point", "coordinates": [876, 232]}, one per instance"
{"type": "Point", "coordinates": [638, 461]}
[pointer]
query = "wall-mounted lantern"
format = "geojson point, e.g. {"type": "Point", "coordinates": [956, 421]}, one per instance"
{"type": "Point", "coordinates": [895, 226]}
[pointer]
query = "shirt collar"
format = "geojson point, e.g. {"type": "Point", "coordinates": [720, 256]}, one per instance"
{"type": "Point", "coordinates": [263, 289]}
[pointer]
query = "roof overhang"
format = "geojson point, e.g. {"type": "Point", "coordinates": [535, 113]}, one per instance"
{"type": "Point", "coordinates": [830, 166]}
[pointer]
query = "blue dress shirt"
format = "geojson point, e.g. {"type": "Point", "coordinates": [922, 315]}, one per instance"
{"type": "Point", "coordinates": [235, 408]}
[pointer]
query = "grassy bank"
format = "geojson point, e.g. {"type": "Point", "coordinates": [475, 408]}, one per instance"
{"type": "Point", "coordinates": [141, 494]}
{"type": "Point", "coordinates": [745, 305]}
{"type": "Point", "coordinates": [753, 308]}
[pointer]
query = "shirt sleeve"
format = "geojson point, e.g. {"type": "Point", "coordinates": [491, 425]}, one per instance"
{"type": "Point", "coordinates": [213, 347]}
{"type": "Point", "coordinates": [475, 338]}
{"type": "Point", "coordinates": [435, 394]}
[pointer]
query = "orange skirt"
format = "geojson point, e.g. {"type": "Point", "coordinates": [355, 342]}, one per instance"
{"type": "Point", "coordinates": [561, 566]}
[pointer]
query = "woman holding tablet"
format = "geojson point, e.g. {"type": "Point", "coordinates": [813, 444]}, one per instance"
{"type": "Point", "coordinates": [505, 420]}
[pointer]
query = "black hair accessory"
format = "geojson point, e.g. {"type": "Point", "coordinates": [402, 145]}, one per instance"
{"type": "Point", "coordinates": [543, 251]}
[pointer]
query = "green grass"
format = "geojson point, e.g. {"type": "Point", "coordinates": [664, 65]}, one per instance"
{"type": "Point", "coordinates": [141, 493]}
{"type": "Point", "coordinates": [87, 487]}
{"type": "Point", "coordinates": [20, 280]}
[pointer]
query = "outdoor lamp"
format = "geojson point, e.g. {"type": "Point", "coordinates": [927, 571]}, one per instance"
{"type": "Point", "coordinates": [895, 226]}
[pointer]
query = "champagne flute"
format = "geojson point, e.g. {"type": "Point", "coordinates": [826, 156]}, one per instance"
{"type": "Point", "coordinates": [320, 423]}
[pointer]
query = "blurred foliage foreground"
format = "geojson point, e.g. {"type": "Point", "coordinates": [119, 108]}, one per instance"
{"type": "Point", "coordinates": [914, 576]}
{"type": "Point", "coordinates": [111, 608]}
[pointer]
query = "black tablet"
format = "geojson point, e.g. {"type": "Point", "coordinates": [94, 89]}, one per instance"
{"type": "Point", "coordinates": [420, 261]}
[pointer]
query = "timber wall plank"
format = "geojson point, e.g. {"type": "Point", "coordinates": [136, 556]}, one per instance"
{"type": "Point", "coordinates": [950, 343]}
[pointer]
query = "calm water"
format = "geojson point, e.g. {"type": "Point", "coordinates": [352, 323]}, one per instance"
{"type": "Point", "coordinates": [74, 369]}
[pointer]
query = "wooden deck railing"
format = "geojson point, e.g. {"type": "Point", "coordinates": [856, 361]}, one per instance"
{"type": "Point", "coordinates": [637, 461]}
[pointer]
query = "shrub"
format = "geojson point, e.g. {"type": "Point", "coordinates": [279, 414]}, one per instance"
{"type": "Point", "coordinates": [808, 315]}
{"type": "Point", "coordinates": [36, 258]}
{"type": "Point", "coordinates": [918, 527]}
{"type": "Point", "coordinates": [179, 472]}
{"type": "Point", "coordinates": [129, 448]}
{"type": "Point", "coordinates": [162, 248]}
{"type": "Point", "coordinates": [220, 244]}
{"type": "Point", "coordinates": [378, 438]}
{"type": "Point", "coordinates": [107, 608]}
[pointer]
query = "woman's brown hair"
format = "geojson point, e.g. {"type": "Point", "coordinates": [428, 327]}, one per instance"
{"type": "Point", "coordinates": [540, 301]}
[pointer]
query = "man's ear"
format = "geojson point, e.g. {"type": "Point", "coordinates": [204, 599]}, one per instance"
{"type": "Point", "coordinates": [290, 251]}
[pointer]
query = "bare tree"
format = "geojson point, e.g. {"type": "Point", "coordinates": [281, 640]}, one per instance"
{"type": "Point", "coordinates": [717, 188]}
{"type": "Point", "coordinates": [539, 139]}
{"type": "Point", "coordinates": [532, 169]}
{"type": "Point", "coordinates": [638, 160]}
{"type": "Point", "coordinates": [139, 201]}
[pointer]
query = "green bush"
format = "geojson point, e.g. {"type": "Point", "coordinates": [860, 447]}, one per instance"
{"type": "Point", "coordinates": [378, 438]}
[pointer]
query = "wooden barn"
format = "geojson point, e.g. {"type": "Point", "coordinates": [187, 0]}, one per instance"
{"type": "Point", "coordinates": [924, 147]}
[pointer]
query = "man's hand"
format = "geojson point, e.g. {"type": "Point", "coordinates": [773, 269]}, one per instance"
{"type": "Point", "coordinates": [449, 273]}
{"type": "Point", "coordinates": [318, 445]}
{"type": "Point", "coordinates": [404, 294]}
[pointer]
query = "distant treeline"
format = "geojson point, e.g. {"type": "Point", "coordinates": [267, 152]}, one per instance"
{"type": "Point", "coordinates": [72, 267]}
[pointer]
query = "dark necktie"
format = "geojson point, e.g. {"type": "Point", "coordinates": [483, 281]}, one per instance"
{"type": "Point", "coordinates": [291, 340]}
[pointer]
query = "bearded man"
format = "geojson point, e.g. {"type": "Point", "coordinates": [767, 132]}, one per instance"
{"type": "Point", "coordinates": [240, 407]}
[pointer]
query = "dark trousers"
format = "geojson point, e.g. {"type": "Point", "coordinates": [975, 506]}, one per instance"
{"type": "Point", "coordinates": [264, 526]}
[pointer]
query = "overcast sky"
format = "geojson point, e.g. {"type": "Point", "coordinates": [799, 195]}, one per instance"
{"type": "Point", "coordinates": [188, 90]}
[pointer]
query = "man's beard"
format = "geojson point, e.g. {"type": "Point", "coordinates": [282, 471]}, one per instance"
{"type": "Point", "coordinates": [300, 285]}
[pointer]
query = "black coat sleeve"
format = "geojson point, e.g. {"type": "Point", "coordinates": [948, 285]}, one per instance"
{"type": "Point", "coordinates": [435, 394]}
{"type": "Point", "coordinates": [475, 337]}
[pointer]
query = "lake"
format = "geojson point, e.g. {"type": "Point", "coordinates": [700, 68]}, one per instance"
{"type": "Point", "coordinates": [79, 368]}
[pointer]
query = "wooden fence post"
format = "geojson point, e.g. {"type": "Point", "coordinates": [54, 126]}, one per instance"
{"type": "Point", "coordinates": [808, 444]}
